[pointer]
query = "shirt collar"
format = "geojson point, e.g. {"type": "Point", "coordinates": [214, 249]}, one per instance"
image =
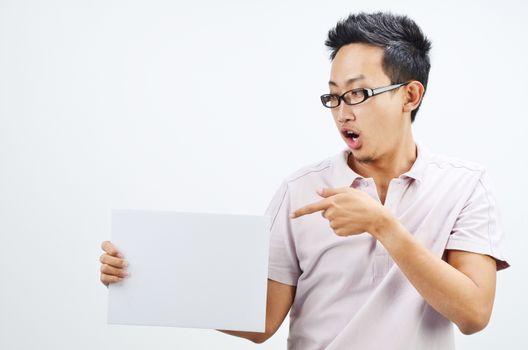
{"type": "Point", "coordinates": [345, 176]}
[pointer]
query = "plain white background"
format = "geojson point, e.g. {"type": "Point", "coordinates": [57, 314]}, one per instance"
{"type": "Point", "coordinates": [207, 106]}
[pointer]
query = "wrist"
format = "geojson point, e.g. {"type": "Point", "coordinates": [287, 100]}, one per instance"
{"type": "Point", "coordinates": [384, 224]}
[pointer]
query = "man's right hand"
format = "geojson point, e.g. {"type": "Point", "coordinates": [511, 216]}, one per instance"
{"type": "Point", "coordinates": [113, 266]}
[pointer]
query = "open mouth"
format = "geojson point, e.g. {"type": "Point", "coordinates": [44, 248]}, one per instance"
{"type": "Point", "coordinates": [352, 138]}
{"type": "Point", "coordinates": [351, 135]}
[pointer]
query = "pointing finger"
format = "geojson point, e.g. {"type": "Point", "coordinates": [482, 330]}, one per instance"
{"type": "Point", "coordinates": [310, 208]}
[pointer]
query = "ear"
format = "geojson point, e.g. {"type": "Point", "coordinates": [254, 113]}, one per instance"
{"type": "Point", "coordinates": [414, 92]}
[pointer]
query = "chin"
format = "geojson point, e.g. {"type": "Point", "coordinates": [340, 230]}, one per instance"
{"type": "Point", "coordinates": [361, 158]}
{"type": "Point", "coordinates": [365, 160]}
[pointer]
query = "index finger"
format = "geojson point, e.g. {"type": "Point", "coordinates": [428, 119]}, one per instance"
{"type": "Point", "coordinates": [108, 247]}
{"type": "Point", "coordinates": [310, 208]}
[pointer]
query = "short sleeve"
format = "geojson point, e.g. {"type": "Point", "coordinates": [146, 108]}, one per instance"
{"type": "Point", "coordinates": [478, 228]}
{"type": "Point", "coordinates": [283, 263]}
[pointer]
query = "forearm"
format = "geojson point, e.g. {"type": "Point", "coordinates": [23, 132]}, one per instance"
{"type": "Point", "coordinates": [446, 289]}
{"type": "Point", "coordinates": [253, 336]}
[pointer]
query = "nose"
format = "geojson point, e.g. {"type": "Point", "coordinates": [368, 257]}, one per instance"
{"type": "Point", "coordinates": [344, 113]}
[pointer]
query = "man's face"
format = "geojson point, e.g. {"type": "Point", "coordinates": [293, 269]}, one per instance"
{"type": "Point", "coordinates": [379, 120]}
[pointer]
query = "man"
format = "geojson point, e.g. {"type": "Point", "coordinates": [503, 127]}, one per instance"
{"type": "Point", "coordinates": [386, 244]}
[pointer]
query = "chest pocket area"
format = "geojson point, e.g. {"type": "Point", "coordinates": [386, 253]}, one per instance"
{"type": "Point", "coordinates": [382, 262]}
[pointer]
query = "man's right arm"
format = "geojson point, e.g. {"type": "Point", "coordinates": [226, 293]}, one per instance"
{"type": "Point", "coordinates": [280, 298]}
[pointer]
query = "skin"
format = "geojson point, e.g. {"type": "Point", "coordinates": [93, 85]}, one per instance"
{"type": "Point", "coordinates": [462, 289]}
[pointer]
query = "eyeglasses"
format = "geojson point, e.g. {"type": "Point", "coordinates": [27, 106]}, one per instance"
{"type": "Point", "coordinates": [356, 96]}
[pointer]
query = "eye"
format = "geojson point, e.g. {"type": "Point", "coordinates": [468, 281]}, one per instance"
{"type": "Point", "coordinates": [355, 96]}
{"type": "Point", "coordinates": [356, 92]}
{"type": "Point", "coordinates": [330, 100]}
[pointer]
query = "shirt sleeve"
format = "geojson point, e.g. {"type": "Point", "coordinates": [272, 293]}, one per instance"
{"type": "Point", "coordinates": [283, 264]}
{"type": "Point", "coordinates": [478, 228]}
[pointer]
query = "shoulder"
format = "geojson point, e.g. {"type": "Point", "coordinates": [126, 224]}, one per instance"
{"type": "Point", "coordinates": [449, 175]}
{"type": "Point", "coordinates": [454, 164]}
{"type": "Point", "coordinates": [310, 172]}
{"type": "Point", "coordinates": [299, 182]}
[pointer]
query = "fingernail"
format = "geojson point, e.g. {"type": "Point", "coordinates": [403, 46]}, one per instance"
{"type": "Point", "coordinates": [292, 215]}
{"type": "Point", "coordinates": [119, 255]}
{"type": "Point", "coordinates": [125, 263]}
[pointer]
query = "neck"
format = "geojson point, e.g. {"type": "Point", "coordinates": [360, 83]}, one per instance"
{"type": "Point", "coordinates": [389, 165]}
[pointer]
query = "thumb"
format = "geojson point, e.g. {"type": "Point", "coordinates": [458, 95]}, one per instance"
{"type": "Point", "coordinates": [328, 192]}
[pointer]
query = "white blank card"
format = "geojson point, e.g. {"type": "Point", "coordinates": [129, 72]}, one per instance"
{"type": "Point", "coordinates": [191, 270]}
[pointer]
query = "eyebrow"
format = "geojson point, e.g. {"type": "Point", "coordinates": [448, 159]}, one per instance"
{"type": "Point", "coordinates": [351, 80]}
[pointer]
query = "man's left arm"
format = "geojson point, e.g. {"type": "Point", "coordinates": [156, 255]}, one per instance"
{"type": "Point", "coordinates": [461, 289]}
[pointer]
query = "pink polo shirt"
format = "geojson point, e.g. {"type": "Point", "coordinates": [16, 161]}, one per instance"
{"type": "Point", "coordinates": [350, 293]}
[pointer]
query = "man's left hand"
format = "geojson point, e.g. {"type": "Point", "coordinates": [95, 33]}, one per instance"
{"type": "Point", "coordinates": [348, 210]}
